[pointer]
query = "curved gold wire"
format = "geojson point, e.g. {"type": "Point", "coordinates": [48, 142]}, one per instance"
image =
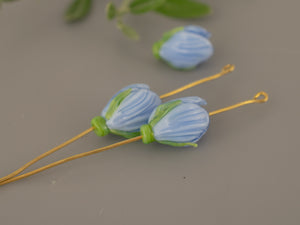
{"type": "Point", "coordinates": [70, 159]}
{"type": "Point", "coordinates": [260, 97]}
{"type": "Point", "coordinates": [226, 69]}
{"type": "Point", "coordinates": [21, 169]}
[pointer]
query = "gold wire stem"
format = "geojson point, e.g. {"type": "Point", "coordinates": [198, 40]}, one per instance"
{"type": "Point", "coordinates": [21, 169]}
{"type": "Point", "coordinates": [226, 69]}
{"type": "Point", "coordinates": [260, 97]}
{"type": "Point", "coordinates": [77, 156]}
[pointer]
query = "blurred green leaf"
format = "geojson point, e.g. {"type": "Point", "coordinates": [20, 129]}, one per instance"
{"type": "Point", "coordinates": [111, 11]}
{"type": "Point", "coordinates": [183, 9]}
{"type": "Point", "coordinates": [1, 1]}
{"type": "Point", "coordinates": [128, 31]}
{"type": "Point", "coordinates": [78, 10]}
{"type": "Point", "coordinates": [142, 6]}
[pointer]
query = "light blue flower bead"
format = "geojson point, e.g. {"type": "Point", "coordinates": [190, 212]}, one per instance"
{"type": "Point", "coordinates": [126, 111]}
{"type": "Point", "coordinates": [184, 47]}
{"type": "Point", "coordinates": [181, 122]}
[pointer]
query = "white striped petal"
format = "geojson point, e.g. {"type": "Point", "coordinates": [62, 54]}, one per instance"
{"type": "Point", "coordinates": [134, 111]}
{"type": "Point", "coordinates": [187, 122]}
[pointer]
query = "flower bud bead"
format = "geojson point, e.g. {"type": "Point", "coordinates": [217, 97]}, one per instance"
{"type": "Point", "coordinates": [126, 111]}
{"type": "Point", "coordinates": [180, 122]}
{"type": "Point", "coordinates": [184, 47]}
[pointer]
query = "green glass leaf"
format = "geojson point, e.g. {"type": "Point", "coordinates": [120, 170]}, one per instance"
{"type": "Point", "coordinates": [183, 9]}
{"type": "Point", "coordinates": [166, 36]}
{"type": "Point", "coordinates": [176, 144]}
{"type": "Point", "coordinates": [128, 31]}
{"type": "Point", "coordinates": [78, 10]}
{"type": "Point", "coordinates": [163, 110]}
{"type": "Point", "coordinates": [125, 134]}
{"type": "Point", "coordinates": [111, 11]}
{"type": "Point", "coordinates": [142, 6]}
{"type": "Point", "coordinates": [114, 104]}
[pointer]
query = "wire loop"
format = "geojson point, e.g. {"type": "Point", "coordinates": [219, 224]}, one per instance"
{"type": "Point", "coordinates": [228, 68]}
{"type": "Point", "coordinates": [261, 97]}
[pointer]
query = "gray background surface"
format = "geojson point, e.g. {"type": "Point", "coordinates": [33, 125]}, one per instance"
{"type": "Point", "coordinates": [55, 77]}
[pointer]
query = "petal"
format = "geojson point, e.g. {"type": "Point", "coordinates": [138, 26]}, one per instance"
{"type": "Point", "coordinates": [185, 123]}
{"type": "Point", "coordinates": [198, 30]}
{"type": "Point", "coordinates": [193, 99]}
{"type": "Point", "coordinates": [185, 50]}
{"type": "Point", "coordinates": [134, 87]}
{"type": "Point", "coordinates": [134, 111]}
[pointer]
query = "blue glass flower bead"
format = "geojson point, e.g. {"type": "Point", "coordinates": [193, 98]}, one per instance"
{"type": "Point", "coordinates": [184, 47]}
{"type": "Point", "coordinates": [126, 111]}
{"type": "Point", "coordinates": [181, 122]}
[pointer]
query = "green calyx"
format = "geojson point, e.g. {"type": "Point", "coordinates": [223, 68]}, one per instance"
{"type": "Point", "coordinates": [99, 124]}
{"type": "Point", "coordinates": [147, 134]}
{"type": "Point", "coordinates": [101, 129]}
{"type": "Point", "coordinates": [166, 36]}
{"type": "Point", "coordinates": [114, 104]}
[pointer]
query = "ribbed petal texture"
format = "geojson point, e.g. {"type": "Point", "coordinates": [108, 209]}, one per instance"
{"type": "Point", "coordinates": [187, 122]}
{"type": "Point", "coordinates": [198, 30]}
{"type": "Point", "coordinates": [134, 110]}
{"type": "Point", "coordinates": [187, 48]}
{"type": "Point", "coordinates": [134, 87]}
{"type": "Point", "coordinates": [191, 99]}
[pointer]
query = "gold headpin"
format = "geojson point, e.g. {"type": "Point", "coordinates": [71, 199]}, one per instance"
{"type": "Point", "coordinates": [226, 69]}
{"type": "Point", "coordinates": [260, 97]}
